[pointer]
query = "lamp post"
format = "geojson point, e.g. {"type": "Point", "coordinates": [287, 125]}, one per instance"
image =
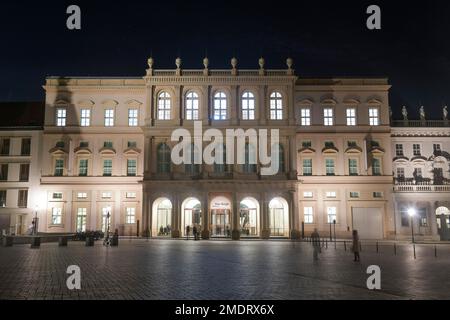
{"type": "Point", "coordinates": [334, 229]}
{"type": "Point", "coordinates": [412, 213]}
{"type": "Point", "coordinates": [35, 221]}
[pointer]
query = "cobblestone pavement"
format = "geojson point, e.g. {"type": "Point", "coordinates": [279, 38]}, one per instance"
{"type": "Point", "coordinates": [180, 269]}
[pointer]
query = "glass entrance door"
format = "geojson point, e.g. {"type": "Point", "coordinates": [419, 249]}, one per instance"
{"type": "Point", "coordinates": [220, 222]}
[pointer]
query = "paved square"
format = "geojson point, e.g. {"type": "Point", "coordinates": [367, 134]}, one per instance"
{"type": "Point", "coordinates": [180, 269]}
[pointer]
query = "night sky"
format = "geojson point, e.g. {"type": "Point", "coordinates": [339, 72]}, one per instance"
{"type": "Point", "coordinates": [325, 38]}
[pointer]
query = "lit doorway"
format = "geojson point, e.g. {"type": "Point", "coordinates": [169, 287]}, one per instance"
{"type": "Point", "coordinates": [220, 217]}
{"type": "Point", "coordinates": [279, 217]}
{"type": "Point", "coordinates": [249, 217]}
{"type": "Point", "coordinates": [192, 216]}
{"type": "Point", "coordinates": [443, 223]}
{"type": "Point", "coordinates": [162, 217]}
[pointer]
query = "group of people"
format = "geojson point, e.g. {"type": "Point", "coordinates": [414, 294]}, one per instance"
{"type": "Point", "coordinates": [195, 232]}
{"type": "Point", "coordinates": [315, 239]}
{"type": "Point", "coordinates": [164, 231]}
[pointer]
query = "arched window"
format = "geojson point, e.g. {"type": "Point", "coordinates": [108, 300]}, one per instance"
{"type": "Point", "coordinates": [220, 106]}
{"type": "Point", "coordinates": [192, 106]}
{"type": "Point", "coordinates": [164, 106]}
{"type": "Point", "coordinates": [163, 158]}
{"type": "Point", "coordinates": [248, 106]}
{"type": "Point", "coordinates": [276, 106]}
{"type": "Point", "coordinates": [250, 159]}
{"type": "Point", "coordinates": [192, 168]}
{"type": "Point", "coordinates": [222, 154]}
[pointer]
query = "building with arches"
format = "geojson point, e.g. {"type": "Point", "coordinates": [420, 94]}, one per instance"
{"type": "Point", "coordinates": [106, 157]}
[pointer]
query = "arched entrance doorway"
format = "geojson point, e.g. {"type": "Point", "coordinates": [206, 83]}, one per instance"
{"type": "Point", "coordinates": [162, 217]}
{"type": "Point", "coordinates": [443, 222]}
{"type": "Point", "coordinates": [249, 217]}
{"type": "Point", "coordinates": [279, 217]}
{"type": "Point", "coordinates": [191, 215]}
{"type": "Point", "coordinates": [220, 217]}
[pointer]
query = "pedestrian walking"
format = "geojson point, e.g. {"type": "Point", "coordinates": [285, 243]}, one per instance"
{"type": "Point", "coordinates": [355, 246]}
{"type": "Point", "coordinates": [194, 230]}
{"type": "Point", "coordinates": [315, 239]}
{"type": "Point", "coordinates": [188, 231]}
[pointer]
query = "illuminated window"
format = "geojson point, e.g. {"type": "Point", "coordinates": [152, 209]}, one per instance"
{"type": "Point", "coordinates": [248, 106]}
{"type": "Point", "coordinates": [130, 215]}
{"type": "Point", "coordinates": [305, 116]}
{"type": "Point", "coordinates": [308, 214]}
{"type": "Point", "coordinates": [61, 117]}
{"type": "Point", "coordinates": [164, 106]}
{"type": "Point", "coordinates": [56, 215]}
{"type": "Point", "coordinates": [328, 119]}
{"type": "Point", "coordinates": [192, 106]}
{"type": "Point", "coordinates": [331, 214]}
{"type": "Point", "coordinates": [109, 117]}
{"type": "Point", "coordinates": [351, 117]}
{"type": "Point", "coordinates": [276, 106]}
{"type": "Point", "coordinates": [81, 219]}
{"type": "Point", "coordinates": [307, 194]}
{"type": "Point", "coordinates": [220, 106]}
{"type": "Point", "coordinates": [85, 117]}
{"type": "Point", "coordinates": [132, 117]}
{"type": "Point", "coordinates": [374, 119]}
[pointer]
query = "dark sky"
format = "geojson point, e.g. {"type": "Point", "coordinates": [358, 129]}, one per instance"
{"type": "Point", "coordinates": [325, 38]}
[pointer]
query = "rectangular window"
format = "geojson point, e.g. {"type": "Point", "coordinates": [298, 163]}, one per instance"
{"type": "Point", "coordinates": [4, 172]}
{"type": "Point", "coordinates": [2, 198]}
{"type": "Point", "coordinates": [24, 172]}
{"type": "Point", "coordinates": [374, 118]}
{"type": "Point", "coordinates": [437, 147]}
{"type": "Point", "coordinates": [306, 117]}
{"type": "Point", "coordinates": [330, 194]}
{"type": "Point", "coordinates": [23, 199]}
{"type": "Point", "coordinates": [132, 117]}
{"type": "Point", "coordinates": [308, 214]}
{"type": "Point", "coordinates": [329, 167]}
{"type": "Point", "coordinates": [82, 195]}
{"type": "Point", "coordinates": [351, 117]}
{"type": "Point", "coordinates": [59, 167]}
{"type": "Point", "coordinates": [331, 214]}
{"type": "Point", "coordinates": [353, 167]}
{"type": "Point", "coordinates": [84, 144]}
{"type": "Point", "coordinates": [109, 117]}
{"type": "Point", "coordinates": [85, 117]}
{"type": "Point", "coordinates": [399, 150]}
{"type": "Point", "coordinates": [56, 216]}
{"type": "Point", "coordinates": [307, 194]}
{"type": "Point", "coordinates": [131, 215]}
{"type": "Point", "coordinates": [306, 144]}
{"type": "Point", "coordinates": [352, 144]}
{"type": "Point", "coordinates": [132, 144]}
{"type": "Point", "coordinates": [108, 144]}
{"type": "Point", "coordinates": [377, 194]}
{"type": "Point", "coordinates": [328, 119]}
{"type": "Point", "coordinates": [83, 169]}
{"type": "Point", "coordinates": [404, 216]}
{"type": "Point", "coordinates": [81, 219]}
{"type": "Point", "coordinates": [106, 195]}
{"type": "Point", "coordinates": [307, 167]}
{"type": "Point", "coordinates": [57, 195]}
{"type": "Point", "coordinates": [417, 173]}
{"type": "Point", "coordinates": [131, 195]}
{"type": "Point", "coordinates": [26, 147]}
{"type": "Point", "coordinates": [60, 144]}
{"type": "Point", "coordinates": [354, 194]}
{"type": "Point", "coordinates": [131, 167]}
{"type": "Point", "coordinates": [4, 150]}
{"type": "Point", "coordinates": [329, 144]}
{"type": "Point", "coordinates": [61, 117]}
{"type": "Point", "coordinates": [422, 214]}
{"type": "Point", "coordinates": [400, 172]}
{"type": "Point", "coordinates": [107, 167]}
{"type": "Point", "coordinates": [376, 167]}
{"type": "Point", "coordinates": [416, 149]}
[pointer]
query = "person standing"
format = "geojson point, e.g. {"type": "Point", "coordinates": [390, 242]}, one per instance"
{"type": "Point", "coordinates": [188, 231]}
{"type": "Point", "coordinates": [194, 230]}
{"type": "Point", "coordinates": [315, 239]}
{"type": "Point", "coordinates": [355, 246]}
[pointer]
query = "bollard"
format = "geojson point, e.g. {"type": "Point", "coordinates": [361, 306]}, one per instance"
{"type": "Point", "coordinates": [360, 247]}
{"type": "Point", "coordinates": [345, 246]}
{"type": "Point", "coordinates": [326, 243]}
{"type": "Point", "coordinates": [89, 241]}
{"type": "Point", "coordinates": [377, 246]}
{"type": "Point", "coordinates": [435, 251]}
{"type": "Point", "coordinates": [35, 242]}
{"type": "Point", "coordinates": [395, 249]}
{"type": "Point", "coordinates": [414, 249]}
{"type": "Point", "coordinates": [8, 241]}
{"type": "Point", "coordinates": [62, 241]}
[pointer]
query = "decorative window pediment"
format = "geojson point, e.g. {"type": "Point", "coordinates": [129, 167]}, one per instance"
{"type": "Point", "coordinates": [401, 159]}
{"type": "Point", "coordinates": [132, 151]}
{"type": "Point", "coordinates": [351, 101]}
{"type": "Point", "coordinates": [86, 103]}
{"type": "Point", "coordinates": [107, 150]}
{"type": "Point", "coordinates": [133, 103]}
{"type": "Point", "coordinates": [82, 150]}
{"type": "Point", "coordinates": [374, 101]}
{"type": "Point", "coordinates": [418, 159]}
{"type": "Point", "coordinates": [353, 150]}
{"type": "Point", "coordinates": [305, 102]}
{"type": "Point", "coordinates": [377, 150]}
{"type": "Point", "coordinates": [61, 103]}
{"type": "Point", "coordinates": [57, 151]}
{"type": "Point", "coordinates": [110, 103]}
{"type": "Point", "coordinates": [329, 102]}
{"type": "Point", "coordinates": [307, 150]}
{"type": "Point", "coordinates": [330, 150]}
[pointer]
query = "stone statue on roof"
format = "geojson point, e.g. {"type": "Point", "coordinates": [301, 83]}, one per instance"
{"type": "Point", "coordinates": [404, 113]}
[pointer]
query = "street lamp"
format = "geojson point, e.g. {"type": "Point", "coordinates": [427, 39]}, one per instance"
{"type": "Point", "coordinates": [35, 221]}
{"type": "Point", "coordinates": [412, 213]}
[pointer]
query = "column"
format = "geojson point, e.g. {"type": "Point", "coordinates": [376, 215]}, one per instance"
{"type": "Point", "coordinates": [176, 217]}
{"type": "Point", "coordinates": [262, 105]}
{"type": "Point", "coordinates": [434, 229]}
{"type": "Point", "coordinates": [292, 158]}
{"type": "Point", "coordinates": [205, 216]}
{"type": "Point", "coordinates": [145, 216]}
{"type": "Point", "coordinates": [264, 207]}
{"type": "Point", "coordinates": [235, 232]}
{"type": "Point", "coordinates": [295, 227]}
